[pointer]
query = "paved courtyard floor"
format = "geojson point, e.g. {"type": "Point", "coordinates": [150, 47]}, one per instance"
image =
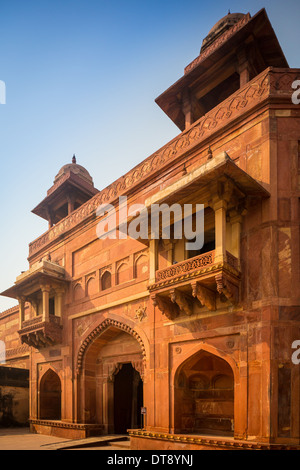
{"type": "Point", "coordinates": [23, 439]}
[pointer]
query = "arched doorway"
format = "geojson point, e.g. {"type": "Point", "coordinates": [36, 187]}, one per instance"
{"type": "Point", "coordinates": [110, 387]}
{"type": "Point", "coordinates": [50, 396]}
{"type": "Point", "coordinates": [128, 399]}
{"type": "Point", "coordinates": [204, 396]}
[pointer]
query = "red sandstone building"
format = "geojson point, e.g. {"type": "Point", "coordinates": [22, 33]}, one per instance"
{"type": "Point", "coordinates": [203, 340]}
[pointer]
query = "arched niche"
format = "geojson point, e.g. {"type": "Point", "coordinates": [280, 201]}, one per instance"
{"type": "Point", "coordinates": [50, 396]}
{"type": "Point", "coordinates": [204, 395]}
{"type": "Point", "coordinates": [106, 280]}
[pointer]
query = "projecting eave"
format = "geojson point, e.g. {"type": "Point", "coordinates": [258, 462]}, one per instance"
{"type": "Point", "coordinates": [69, 183]}
{"type": "Point", "coordinates": [218, 168]}
{"type": "Point", "coordinates": [40, 273]}
{"type": "Point", "coordinates": [258, 27]}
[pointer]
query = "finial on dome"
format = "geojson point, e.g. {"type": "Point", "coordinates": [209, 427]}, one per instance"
{"type": "Point", "coordinates": [229, 13]}
{"type": "Point", "coordinates": [74, 159]}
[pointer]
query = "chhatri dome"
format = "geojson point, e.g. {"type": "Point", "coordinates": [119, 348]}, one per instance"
{"type": "Point", "coordinates": [76, 170]}
{"type": "Point", "coordinates": [72, 187]}
{"type": "Point", "coordinates": [220, 27]}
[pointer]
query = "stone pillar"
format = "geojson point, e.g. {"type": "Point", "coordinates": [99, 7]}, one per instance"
{"type": "Point", "coordinates": [21, 301]}
{"type": "Point", "coordinates": [70, 200]}
{"type": "Point", "coordinates": [45, 292]}
{"type": "Point", "coordinates": [153, 245]}
{"type": "Point", "coordinates": [220, 231]}
{"type": "Point", "coordinates": [236, 226]}
{"type": "Point", "coordinates": [170, 250]}
{"type": "Point", "coordinates": [59, 301]}
{"type": "Point", "coordinates": [49, 217]}
{"type": "Point", "coordinates": [243, 68]}
{"type": "Point", "coordinates": [187, 109]}
{"type": "Point", "coordinates": [33, 308]}
{"type": "Point", "coordinates": [135, 384]}
{"type": "Point", "coordinates": [108, 405]}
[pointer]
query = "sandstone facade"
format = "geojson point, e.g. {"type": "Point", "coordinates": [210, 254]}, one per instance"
{"type": "Point", "coordinates": [202, 340]}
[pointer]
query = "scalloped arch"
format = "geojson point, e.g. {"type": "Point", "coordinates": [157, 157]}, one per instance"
{"type": "Point", "coordinates": [98, 331]}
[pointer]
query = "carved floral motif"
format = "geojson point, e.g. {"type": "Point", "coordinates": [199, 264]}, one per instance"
{"type": "Point", "coordinates": [140, 313]}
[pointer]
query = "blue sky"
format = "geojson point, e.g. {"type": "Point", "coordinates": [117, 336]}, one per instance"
{"type": "Point", "coordinates": [81, 77]}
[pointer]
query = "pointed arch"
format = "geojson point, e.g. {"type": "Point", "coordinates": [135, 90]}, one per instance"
{"type": "Point", "coordinates": [210, 349]}
{"type": "Point", "coordinates": [106, 280]}
{"type": "Point", "coordinates": [98, 331]}
{"type": "Point", "coordinates": [141, 265]}
{"type": "Point", "coordinates": [122, 272]}
{"type": "Point", "coordinates": [203, 391]}
{"type": "Point", "coordinates": [50, 395]}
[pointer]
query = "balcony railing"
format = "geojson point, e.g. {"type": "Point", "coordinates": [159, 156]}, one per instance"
{"type": "Point", "coordinates": [33, 322]}
{"type": "Point", "coordinates": [192, 266]}
{"type": "Point", "coordinates": [40, 333]}
{"type": "Point", "coordinates": [200, 277]}
{"type": "Point", "coordinates": [186, 267]}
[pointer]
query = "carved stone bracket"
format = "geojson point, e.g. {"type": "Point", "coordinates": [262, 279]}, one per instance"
{"type": "Point", "coordinates": [41, 334]}
{"type": "Point", "coordinates": [183, 301]}
{"type": "Point", "coordinates": [112, 371]}
{"type": "Point", "coordinates": [166, 306]}
{"type": "Point", "coordinates": [139, 367]}
{"type": "Point", "coordinates": [228, 288]}
{"type": "Point", "coordinates": [205, 296]}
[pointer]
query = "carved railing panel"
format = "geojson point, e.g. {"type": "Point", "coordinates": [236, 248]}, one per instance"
{"type": "Point", "coordinates": [39, 333]}
{"type": "Point", "coordinates": [185, 267]}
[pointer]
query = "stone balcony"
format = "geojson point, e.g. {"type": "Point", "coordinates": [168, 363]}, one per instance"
{"type": "Point", "coordinates": [40, 291]}
{"type": "Point", "coordinates": [201, 278]}
{"type": "Point", "coordinates": [38, 332]}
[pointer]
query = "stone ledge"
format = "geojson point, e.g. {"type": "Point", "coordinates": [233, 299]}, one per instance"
{"type": "Point", "coordinates": [146, 440]}
{"type": "Point", "coordinates": [63, 429]}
